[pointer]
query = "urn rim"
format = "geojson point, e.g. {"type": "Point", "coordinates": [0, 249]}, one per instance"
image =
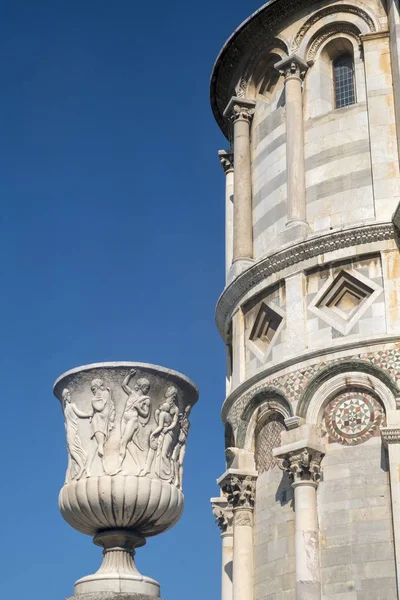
{"type": "Point", "coordinates": [130, 364]}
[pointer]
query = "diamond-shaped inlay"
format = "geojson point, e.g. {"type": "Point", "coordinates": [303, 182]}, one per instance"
{"type": "Point", "coordinates": [264, 330]}
{"type": "Point", "coordinates": [344, 298]}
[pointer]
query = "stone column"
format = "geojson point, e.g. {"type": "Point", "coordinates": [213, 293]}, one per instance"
{"type": "Point", "coordinates": [294, 69]}
{"type": "Point", "coordinates": [224, 518]}
{"type": "Point", "coordinates": [304, 466]}
{"type": "Point", "coordinates": [226, 158]}
{"type": "Point", "coordinates": [391, 440]}
{"type": "Point", "coordinates": [240, 490]}
{"type": "Point", "coordinates": [240, 112]}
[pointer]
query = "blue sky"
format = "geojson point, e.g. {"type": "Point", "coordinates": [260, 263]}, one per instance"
{"type": "Point", "coordinates": [112, 248]}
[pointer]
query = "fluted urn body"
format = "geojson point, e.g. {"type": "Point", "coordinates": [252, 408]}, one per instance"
{"type": "Point", "coordinates": [126, 427]}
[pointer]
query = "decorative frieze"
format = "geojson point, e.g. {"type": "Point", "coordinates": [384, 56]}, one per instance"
{"type": "Point", "coordinates": [390, 435]}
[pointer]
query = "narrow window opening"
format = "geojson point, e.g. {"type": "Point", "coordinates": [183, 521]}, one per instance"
{"type": "Point", "coordinates": [343, 79]}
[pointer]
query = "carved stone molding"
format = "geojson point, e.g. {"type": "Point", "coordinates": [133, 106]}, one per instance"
{"type": "Point", "coordinates": [329, 31]}
{"type": "Point", "coordinates": [304, 465]}
{"type": "Point", "coordinates": [227, 160]}
{"type": "Point", "coordinates": [330, 10]}
{"type": "Point", "coordinates": [290, 256]}
{"type": "Point", "coordinates": [239, 109]}
{"type": "Point", "coordinates": [390, 435]}
{"type": "Point", "coordinates": [240, 490]}
{"type": "Point", "coordinates": [292, 67]}
{"type": "Point", "coordinates": [223, 514]}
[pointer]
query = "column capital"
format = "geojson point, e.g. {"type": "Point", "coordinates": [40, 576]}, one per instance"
{"type": "Point", "coordinates": [303, 465]}
{"type": "Point", "coordinates": [223, 514]}
{"type": "Point", "coordinates": [240, 489]}
{"type": "Point", "coordinates": [390, 435]}
{"type": "Point", "coordinates": [239, 109]}
{"type": "Point", "coordinates": [292, 67]}
{"type": "Point", "coordinates": [226, 160]}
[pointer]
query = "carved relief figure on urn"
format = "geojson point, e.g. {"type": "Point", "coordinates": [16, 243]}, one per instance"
{"type": "Point", "coordinates": [103, 420]}
{"type": "Point", "coordinates": [136, 413]}
{"type": "Point", "coordinates": [180, 449]}
{"type": "Point", "coordinates": [162, 438]}
{"type": "Point", "coordinates": [121, 507]}
{"type": "Point", "coordinates": [76, 454]}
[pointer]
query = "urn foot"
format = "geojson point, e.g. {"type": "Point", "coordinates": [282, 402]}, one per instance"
{"type": "Point", "coordinates": [118, 575]}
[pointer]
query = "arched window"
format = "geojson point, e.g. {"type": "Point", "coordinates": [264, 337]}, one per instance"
{"type": "Point", "coordinates": [343, 80]}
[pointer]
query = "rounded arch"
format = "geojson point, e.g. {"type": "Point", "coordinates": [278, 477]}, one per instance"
{"type": "Point", "coordinates": [358, 14]}
{"type": "Point", "coordinates": [261, 66]}
{"type": "Point", "coordinates": [336, 378]}
{"type": "Point", "coordinates": [263, 404]}
{"type": "Point", "coordinates": [324, 39]}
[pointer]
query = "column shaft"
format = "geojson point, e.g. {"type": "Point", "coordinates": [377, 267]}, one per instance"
{"type": "Point", "coordinates": [226, 158]}
{"type": "Point", "coordinates": [308, 586]}
{"type": "Point", "coordinates": [295, 150]}
{"type": "Point", "coordinates": [391, 439]}
{"type": "Point", "coordinates": [243, 554]}
{"type": "Point", "coordinates": [227, 566]}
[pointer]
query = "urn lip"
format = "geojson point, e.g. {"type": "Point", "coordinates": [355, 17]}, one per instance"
{"type": "Point", "coordinates": [156, 369]}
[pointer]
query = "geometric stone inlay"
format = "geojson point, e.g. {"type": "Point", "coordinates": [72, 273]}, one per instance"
{"type": "Point", "coordinates": [353, 417]}
{"type": "Point", "coordinates": [268, 321]}
{"type": "Point", "coordinates": [267, 439]}
{"type": "Point", "coordinates": [343, 299]}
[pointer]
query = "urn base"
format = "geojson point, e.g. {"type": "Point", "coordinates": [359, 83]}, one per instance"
{"type": "Point", "coordinates": [118, 573]}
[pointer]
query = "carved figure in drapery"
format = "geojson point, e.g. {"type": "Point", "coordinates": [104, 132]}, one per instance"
{"type": "Point", "coordinates": [162, 438]}
{"type": "Point", "coordinates": [180, 449]}
{"type": "Point", "coordinates": [76, 454]}
{"type": "Point", "coordinates": [103, 420]}
{"type": "Point", "coordinates": [136, 413]}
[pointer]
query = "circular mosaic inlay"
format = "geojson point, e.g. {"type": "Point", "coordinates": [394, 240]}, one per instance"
{"type": "Point", "coordinates": [353, 417]}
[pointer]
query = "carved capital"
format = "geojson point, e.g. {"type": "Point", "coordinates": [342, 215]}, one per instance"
{"type": "Point", "coordinates": [226, 160]}
{"type": "Point", "coordinates": [390, 435]}
{"type": "Point", "coordinates": [240, 490]}
{"type": "Point", "coordinates": [292, 67]}
{"type": "Point", "coordinates": [302, 465]}
{"type": "Point", "coordinates": [223, 514]}
{"type": "Point", "coordinates": [240, 109]}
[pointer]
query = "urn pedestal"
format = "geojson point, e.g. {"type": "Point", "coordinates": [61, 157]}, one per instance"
{"type": "Point", "coordinates": [126, 427]}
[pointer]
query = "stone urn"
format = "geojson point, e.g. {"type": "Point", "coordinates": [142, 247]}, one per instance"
{"type": "Point", "coordinates": [126, 427]}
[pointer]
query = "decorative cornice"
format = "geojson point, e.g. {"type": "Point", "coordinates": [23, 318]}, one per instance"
{"type": "Point", "coordinates": [240, 490]}
{"type": "Point", "coordinates": [390, 435]}
{"type": "Point", "coordinates": [304, 465]}
{"type": "Point", "coordinates": [282, 259]}
{"type": "Point", "coordinates": [226, 160]}
{"type": "Point", "coordinates": [260, 382]}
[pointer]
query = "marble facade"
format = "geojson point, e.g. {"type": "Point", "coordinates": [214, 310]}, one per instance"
{"type": "Point", "coordinates": [310, 314]}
